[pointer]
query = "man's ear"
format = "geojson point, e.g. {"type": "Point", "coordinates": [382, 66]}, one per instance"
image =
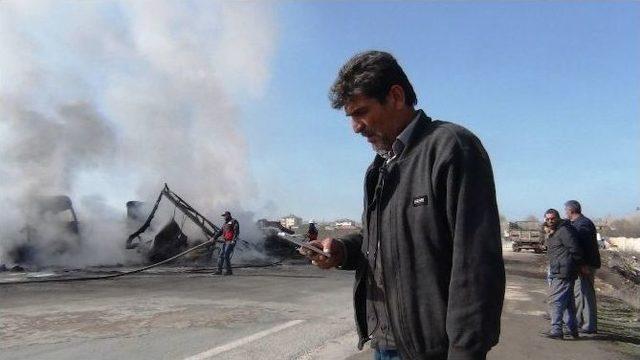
{"type": "Point", "coordinates": [396, 95]}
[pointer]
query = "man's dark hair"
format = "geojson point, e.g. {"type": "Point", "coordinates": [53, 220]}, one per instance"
{"type": "Point", "coordinates": [554, 212]}
{"type": "Point", "coordinates": [370, 73]}
{"type": "Point", "coordinates": [574, 206]}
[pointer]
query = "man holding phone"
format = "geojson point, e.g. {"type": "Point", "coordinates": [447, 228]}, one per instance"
{"type": "Point", "coordinates": [429, 270]}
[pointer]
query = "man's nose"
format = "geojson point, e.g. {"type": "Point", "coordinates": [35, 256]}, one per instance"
{"type": "Point", "coordinates": [357, 126]}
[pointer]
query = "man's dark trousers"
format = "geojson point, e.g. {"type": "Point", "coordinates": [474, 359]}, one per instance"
{"type": "Point", "coordinates": [225, 255]}
{"type": "Point", "coordinates": [561, 298]}
{"type": "Point", "coordinates": [585, 300]}
{"type": "Point", "coordinates": [584, 289]}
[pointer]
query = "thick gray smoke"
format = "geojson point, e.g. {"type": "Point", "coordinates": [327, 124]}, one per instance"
{"type": "Point", "coordinates": [106, 101]}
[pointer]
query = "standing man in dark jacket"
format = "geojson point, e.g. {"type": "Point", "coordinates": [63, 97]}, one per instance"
{"type": "Point", "coordinates": [565, 259]}
{"type": "Point", "coordinates": [584, 290]}
{"type": "Point", "coordinates": [429, 271]}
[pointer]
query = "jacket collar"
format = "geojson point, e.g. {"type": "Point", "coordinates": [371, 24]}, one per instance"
{"type": "Point", "coordinates": [580, 218]}
{"type": "Point", "coordinates": [563, 223]}
{"type": "Point", "coordinates": [420, 129]}
{"type": "Point", "coordinates": [401, 141]}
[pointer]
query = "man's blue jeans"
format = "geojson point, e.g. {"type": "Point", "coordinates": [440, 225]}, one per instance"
{"type": "Point", "coordinates": [561, 299]}
{"type": "Point", "coordinates": [225, 255]}
{"type": "Point", "coordinates": [386, 355]}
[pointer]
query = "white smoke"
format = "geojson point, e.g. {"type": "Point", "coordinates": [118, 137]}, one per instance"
{"type": "Point", "coordinates": [101, 91]}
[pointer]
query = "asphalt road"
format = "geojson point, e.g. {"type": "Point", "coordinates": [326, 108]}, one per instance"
{"type": "Point", "coordinates": [286, 312]}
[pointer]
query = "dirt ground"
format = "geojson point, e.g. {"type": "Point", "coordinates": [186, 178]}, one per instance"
{"type": "Point", "coordinates": [618, 276]}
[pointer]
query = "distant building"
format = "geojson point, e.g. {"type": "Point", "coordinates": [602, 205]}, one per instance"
{"type": "Point", "coordinates": [345, 224]}
{"type": "Point", "coordinates": [291, 221]}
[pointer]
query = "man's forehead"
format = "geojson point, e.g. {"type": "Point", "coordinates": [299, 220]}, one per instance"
{"type": "Point", "coordinates": [356, 102]}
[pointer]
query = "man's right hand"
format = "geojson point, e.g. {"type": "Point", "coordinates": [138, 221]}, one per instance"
{"type": "Point", "coordinates": [328, 245]}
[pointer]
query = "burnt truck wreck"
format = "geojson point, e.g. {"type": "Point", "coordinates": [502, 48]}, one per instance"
{"type": "Point", "coordinates": [170, 240]}
{"type": "Point", "coordinates": [51, 229]}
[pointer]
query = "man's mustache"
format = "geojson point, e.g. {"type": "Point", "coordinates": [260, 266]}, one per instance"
{"type": "Point", "coordinates": [367, 133]}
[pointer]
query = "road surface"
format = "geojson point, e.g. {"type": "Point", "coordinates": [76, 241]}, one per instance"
{"type": "Point", "coordinates": [288, 312]}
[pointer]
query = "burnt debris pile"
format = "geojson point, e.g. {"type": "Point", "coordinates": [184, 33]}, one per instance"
{"type": "Point", "coordinates": [53, 230]}
{"type": "Point", "coordinates": [172, 240]}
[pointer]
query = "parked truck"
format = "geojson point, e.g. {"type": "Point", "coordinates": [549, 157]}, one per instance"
{"type": "Point", "coordinates": [527, 235]}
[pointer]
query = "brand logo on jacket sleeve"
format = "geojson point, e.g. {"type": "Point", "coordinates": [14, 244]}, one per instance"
{"type": "Point", "coordinates": [420, 200]}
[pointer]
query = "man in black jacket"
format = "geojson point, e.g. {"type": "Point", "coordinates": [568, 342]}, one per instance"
{"type": "Point", "coordinates": [584, 289]}
{"type": "Point", "coordinates": [429, 270]}
{"type": "Point", "coordinates": [565, 260]}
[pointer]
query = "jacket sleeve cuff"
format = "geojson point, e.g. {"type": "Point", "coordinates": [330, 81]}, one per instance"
{"type": "Point", "coordinates": [344, 252]}
{"type": "Point", "coordinates": [465, 354]}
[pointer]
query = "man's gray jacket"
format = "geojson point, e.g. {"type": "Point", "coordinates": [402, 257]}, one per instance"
{"type": "Point", "coordinates": [440, 245]}
{"type": "Point", "coordinates": [564, 252]}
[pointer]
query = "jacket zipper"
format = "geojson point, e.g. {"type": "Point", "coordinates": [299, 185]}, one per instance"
{"type": "Point", "coordinates": [399, 342]}
{"type": "Point", "coordinates": [383, 174]}
{"type": "Point", "coordinates": [378, 252]}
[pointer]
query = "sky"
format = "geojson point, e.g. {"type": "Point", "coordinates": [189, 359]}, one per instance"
{"type": "Point", "coordinates": [551, 88]}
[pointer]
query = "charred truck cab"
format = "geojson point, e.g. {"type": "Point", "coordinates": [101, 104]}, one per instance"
{"type": "Point", "coordinates": [51, 229]}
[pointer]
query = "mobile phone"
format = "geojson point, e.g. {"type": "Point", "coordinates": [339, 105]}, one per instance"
{"type": "Point", "coordinates": [303, 244]}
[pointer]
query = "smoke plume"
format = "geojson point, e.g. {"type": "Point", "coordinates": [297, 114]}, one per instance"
{"type": "Point", "coordinates": [104, 101]}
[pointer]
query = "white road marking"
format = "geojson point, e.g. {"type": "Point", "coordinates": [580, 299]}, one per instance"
{"type": "Point", "coordinates": [243, 341]}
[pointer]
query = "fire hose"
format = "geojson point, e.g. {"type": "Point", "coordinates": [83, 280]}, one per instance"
{"type": "Point", "coordinates": [112, 276]}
